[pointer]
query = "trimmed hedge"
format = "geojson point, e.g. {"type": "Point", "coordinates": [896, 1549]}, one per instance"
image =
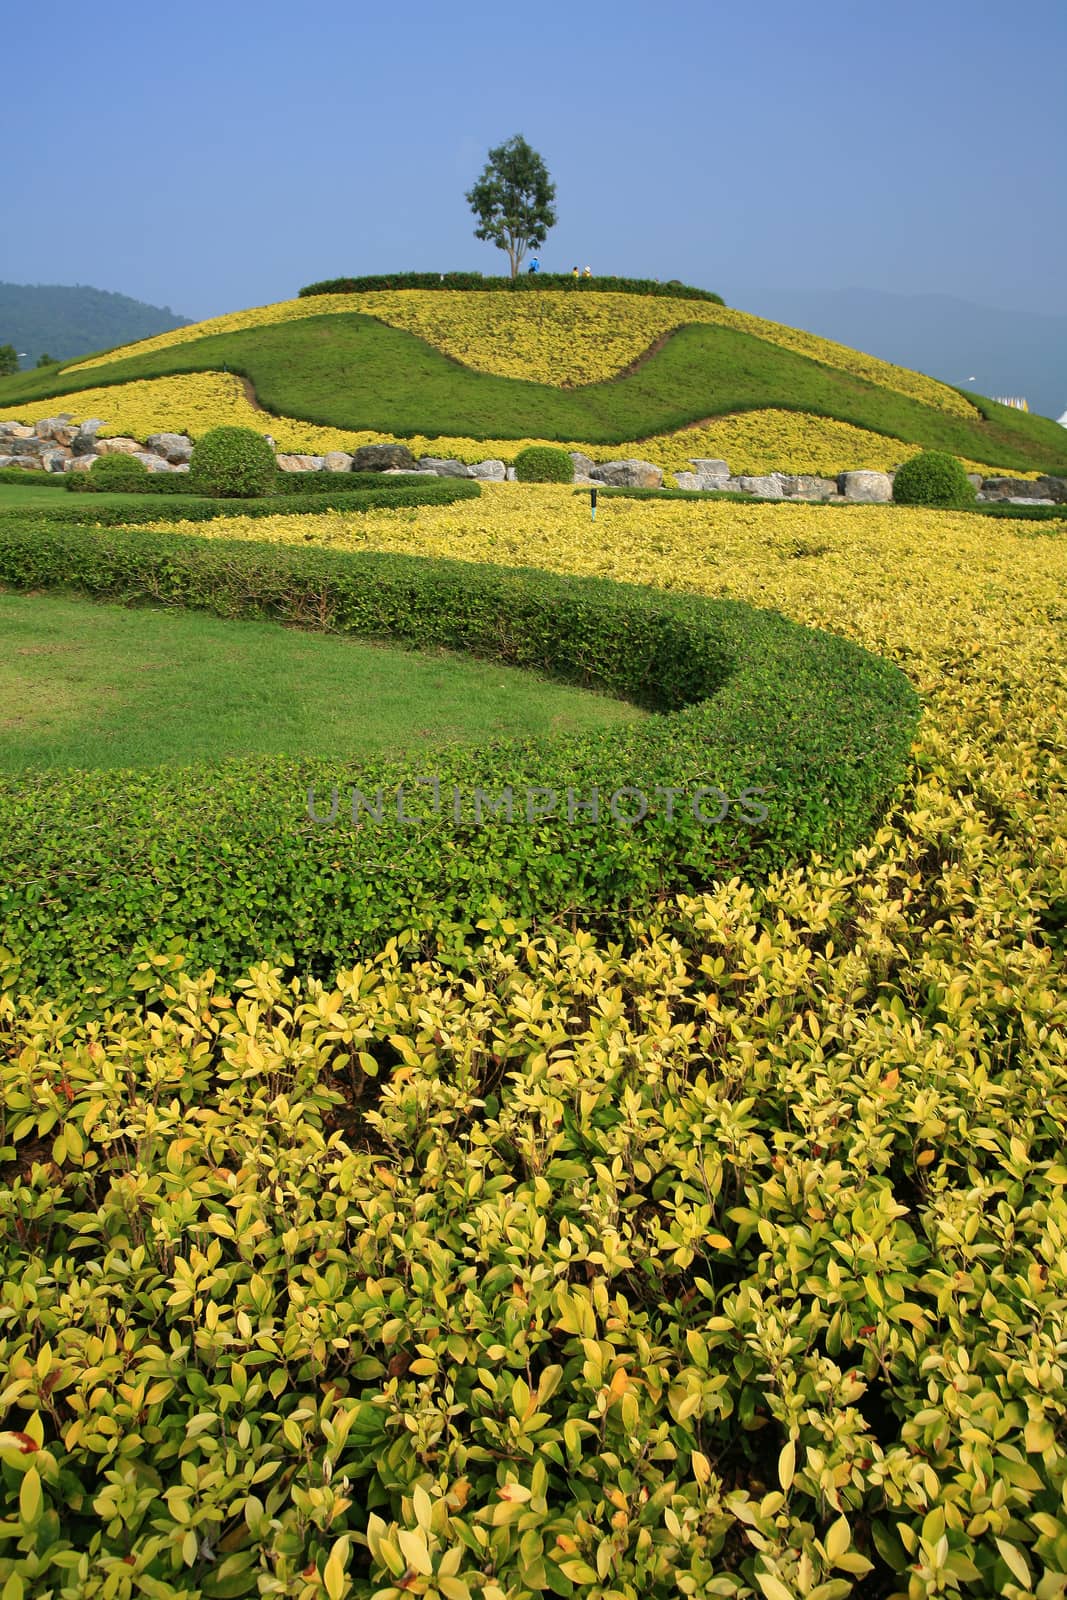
{"type": "Point", "coordinates": [118, 474]}
{"type": "Point", "coordinates": [426, 492]}
{"type": "Point", "coordinates": [525, 280]}
{"type": "Point", "coordinates": [541, 463]}
{"type": "Point", "coordinates": [35, 478]}
{"type": "Point", "coordinates": [802, 735]}
{"type": "Point", "coordinates": [933, 478]}
{"type": "Point", "coordinates": [233, 463]}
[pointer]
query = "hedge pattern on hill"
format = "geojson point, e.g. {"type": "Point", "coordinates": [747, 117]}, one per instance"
{"type": "Point", "coordinates": [348, 371]}
{"type": "Point", "coordinates": [774, 740]}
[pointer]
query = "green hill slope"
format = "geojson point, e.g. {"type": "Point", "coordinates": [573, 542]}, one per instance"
{"type": "Point", "coordinates": [350, 371]}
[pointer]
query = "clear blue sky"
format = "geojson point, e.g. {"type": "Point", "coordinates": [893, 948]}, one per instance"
{"type": "Point", "coordinates": [219, 155]}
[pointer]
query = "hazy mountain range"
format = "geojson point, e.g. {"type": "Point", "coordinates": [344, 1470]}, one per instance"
{"type": "Point", "coordinates": [972, 347]}
{"type": "Point", "coordinates": [64, 320]}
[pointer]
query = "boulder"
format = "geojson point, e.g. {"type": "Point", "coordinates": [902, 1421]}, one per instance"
{"type": "Point", "coordinates": [1045, 488]}
{"type": "Point", "coordinates": [119, 446]}
{"type": "Point", "coordinates": [802, 486]}
{"type": "Point", "coordinates": [583, 465]}
{"type": "Point", "coordinates": [173, 447]}
{"type": "Point", "coordinates": [300, 463]}
{"type": "Point", "coordinates": [15, 430]}
{"type": "Point", "coordinates": [866, 488]}
{"type": "Point", "coordinates": [153, 462]}
{"type": "Point", "coordinates": [688, 480]}
{"type": "Point", "coordinates": [511, 477]}
{"type": "Point", "coordinates": [445, 467]}
{"type": "Point", "coordinates": [27, 463]}
{"type": "Point", "coordinates": [489, 471]}
{"type": "Point", "coordinates": [629, 474]}
{"type": "Point", "coordinates": [337, 461]}
{"type": "Point", "coordinates": [85, 442]}
{"type": "Point", "coordinates": [31, 447]}
{"type": "Point", "coordinates": [768, 488]}
{"type": "Point", "coordinates": [56, 429]}
{"type": "Point", "coordinates": [709, 466]}
{"type": "Point", "coordinates": [55, 459]}
{"type": "Point", "coordinates": [377, 457]}
{"type": "Point", "coordinates": [79, 463]}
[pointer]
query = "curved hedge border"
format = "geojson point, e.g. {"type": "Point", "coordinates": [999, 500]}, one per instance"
{"type": "Point", "coordinates": [525, 280]}
{"type": "Point", "coordinates": [103, 866]}
{"type": "Point", "coordinates": [158, 505]}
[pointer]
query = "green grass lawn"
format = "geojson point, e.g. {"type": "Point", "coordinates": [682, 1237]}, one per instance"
{"type": "Point", "coordinates": [349, 371]}
{"type": "Point", "coordinates": [93, 685]}
{"type": "Point", "coordinates": [31, 497]}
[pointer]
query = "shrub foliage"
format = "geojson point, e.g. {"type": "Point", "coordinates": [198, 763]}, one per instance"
{"type": "Point", "coordinates": [531, 281]}
{"type": "Point", "coordinates": [232, 463]}
{"type": "Point", "coordinates": [115, 474]}
{"type": "Point", "coordinates": [242, 868]}
{"type": "Point", "coordinates": [933, 479]}
{"type": "Point", "coordinates": [543, 464]}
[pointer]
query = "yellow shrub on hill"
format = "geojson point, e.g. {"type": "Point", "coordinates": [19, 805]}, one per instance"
{"type": "Point", "coordinates": [555, 337]}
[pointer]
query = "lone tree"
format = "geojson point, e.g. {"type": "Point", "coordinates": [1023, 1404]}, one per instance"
{"type": "Point", "coordinates": [9, 361]}
{"type": "Point", "coordinates": [513, 200]}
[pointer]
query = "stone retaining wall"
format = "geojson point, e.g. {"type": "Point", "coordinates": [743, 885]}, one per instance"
{"type": "Point", "coordinates": [60, 444]}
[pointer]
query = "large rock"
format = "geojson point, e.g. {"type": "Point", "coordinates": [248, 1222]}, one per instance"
{"type": "Point", "coordinates": [337, 461]}
{"type": "Point", "coordinates": [802, 486]}
{"type": "Point", "coordinates": [1024, 488]}
{"type": "Point", "coordinates": [173, 447]}
{"type": "Point", "coordinates": [445, 467]}
{"type": "Point", "coordinates": [119, 446]}
{"type": "Point", "coordinates": [768, 488]}
{"type": "Point", "coordinates": [15, 430]}
{"type": "Point", "coordinates": [27, 463]}
{"type": "Point", "coordinates": [85, 442]}
{"type": "Point", "coordinates": [688, 480]}
{"type": "Point", "coordinates": [583, 464]}
{"type": "Point", "coordinates": [153, 462]}
{"type": "Point", "coordinates": [376, 457]}
{"type": "Point", "coordinates": [300, 463]}
{"type": "Point", "coordinates": [866, 488]}
{"type": "Point", "coordinates": [57, 430]}
{"type": "Point", "coordinates": [629, 474]}
{"type": "Point", "coordinates": [491, 471]}
{"type": "Point", "coordinates": [31, 448]}
{"type": "Point", "coordinates": [55, 459]}
{"type": "Point", "coordinates": [709, 466]}
{"type": "Point", "coordinates": [79, 463]}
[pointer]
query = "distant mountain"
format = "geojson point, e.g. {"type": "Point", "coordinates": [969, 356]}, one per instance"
{"type": "Point", "coordinates": [975, 347]}
{"type": "Point", "coordinates": [65, 321]}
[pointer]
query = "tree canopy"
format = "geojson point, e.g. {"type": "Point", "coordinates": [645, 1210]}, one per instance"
{"type": "Point", "coordinates": [513, 200]}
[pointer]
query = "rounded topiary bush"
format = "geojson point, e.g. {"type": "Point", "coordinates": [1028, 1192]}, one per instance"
{"type": "Point", "coordinates": [118, 474]}
{"type": "Point", "coordinates": [540, 463]}
{"type": "Point", "coordinates": [933, 479]}
{"type": "Point", "coordinates": [232, 463]}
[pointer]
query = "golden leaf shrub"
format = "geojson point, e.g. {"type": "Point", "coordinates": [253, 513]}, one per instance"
{"type": "Point", "coordinates": [555, 337]}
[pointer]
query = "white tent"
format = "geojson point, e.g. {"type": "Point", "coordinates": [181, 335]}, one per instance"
{"type": "Point", "coordinates": [1062, 420]}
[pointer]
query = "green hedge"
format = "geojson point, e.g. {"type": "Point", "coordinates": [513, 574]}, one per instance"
{"type": "Point", "coordinates": [135, 509]}
{"type": "Point", "coordinates": [28, 477]}
{"type": "Point", "coordinates": [100, 866]}
{"type": "Point", "coordinates": [525, 280]}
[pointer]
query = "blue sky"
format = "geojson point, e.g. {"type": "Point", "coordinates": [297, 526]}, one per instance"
{"type": "Point", "coordinates": [220, 155]}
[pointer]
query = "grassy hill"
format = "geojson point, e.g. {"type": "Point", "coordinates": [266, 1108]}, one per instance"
{"type": "Point", "coordinates": [601, 370]}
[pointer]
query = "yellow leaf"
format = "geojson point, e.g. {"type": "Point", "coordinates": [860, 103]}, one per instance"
{"type": "Point", "coordinates": [413, 1549]}
{"type": "Point", "coordinates": [333, 1574]}
{"type": "Point", "coordinates": [30, 1497]}
{"type": "Point", "coordinates": [787, 1465]}
{"type": "Point", "coordinates": [838, 1539]}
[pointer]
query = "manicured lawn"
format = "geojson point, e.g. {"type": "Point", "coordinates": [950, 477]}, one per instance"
{"type": "Point", "coordinates": [348, 371]}
{"type": "Point", "coordinates": [93, 685]}
{"type": "Point", "coordinates": [32, 497]}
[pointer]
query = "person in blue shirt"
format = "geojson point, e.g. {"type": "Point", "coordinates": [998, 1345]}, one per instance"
{"type": "Point", "coordinates": [535, 265]}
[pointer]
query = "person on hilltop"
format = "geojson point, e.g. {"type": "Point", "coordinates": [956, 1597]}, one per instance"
{"type": "Point", "coordinates": [535, 265]}
{"type": "Point", "coordinates": [574, 274]}
{"type": "Point", "coordinates": [588, 273]}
